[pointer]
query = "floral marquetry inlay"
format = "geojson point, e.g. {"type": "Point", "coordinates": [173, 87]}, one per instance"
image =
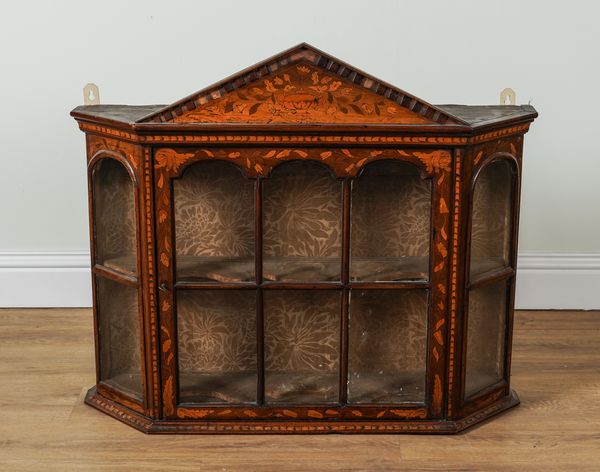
{"type": "Point", "coordinates": [302, 93]}
{"type": "Point", "coordinates": [260, 161]}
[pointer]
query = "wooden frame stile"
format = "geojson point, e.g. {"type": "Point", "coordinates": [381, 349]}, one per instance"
{"type": "Point", "coordinates": [98, 150]}
{"type": "Point", "coordinates": [149, 277]}
{"type": "Point", "coordinates": [305, 105]}
{"type": "Point", "coordinates": [455, 283]}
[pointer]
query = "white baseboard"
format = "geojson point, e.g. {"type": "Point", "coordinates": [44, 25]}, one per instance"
{"type": "Point", "coordinates": [550, 281]}
{"type": "Point", "coordinates": [558, 281]}
{"type": "Point", "coordinates": [45, 279]}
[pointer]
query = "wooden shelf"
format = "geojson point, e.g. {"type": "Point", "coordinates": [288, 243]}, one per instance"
{"type": "Point", "coordinates": [389, 269]}
{"type": "Point", "coordinates": [300, 269]}
{"type": "Point", "coordinates": [482, 265]}
{"type": "Point", "coordinates": [240, 387]}
{"type": "Point", "coordinates": [125, 264]}
{"type": "Point", "coordinates": [369, 387]}
{"type": "Point", "coordinates": [215, 269]}
{"type": "Point", "coordinates": [225, 387]}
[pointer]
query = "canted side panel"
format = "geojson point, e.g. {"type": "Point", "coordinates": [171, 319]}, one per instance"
{"type": "Point", "coordinates": [116, 239]}
{"type": "Point", "coordinates": [479, 280]}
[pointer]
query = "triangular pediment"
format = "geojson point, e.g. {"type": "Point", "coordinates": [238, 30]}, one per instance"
{"type": "Point", "coordinates": [302, 85]}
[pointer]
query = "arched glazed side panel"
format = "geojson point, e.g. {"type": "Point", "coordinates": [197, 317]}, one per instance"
{"type": "Point", "coordinates": [492, 215]}
{"type": "Point", "coordinates": [114, 210]}
{"type": "Point", "coordinates": [116, 285]}
{"type": "Point", "coordinates": [491, 272]}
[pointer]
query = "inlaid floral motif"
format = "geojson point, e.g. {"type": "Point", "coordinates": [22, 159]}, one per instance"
{"type": "Point", "coordinates": [302, 93]}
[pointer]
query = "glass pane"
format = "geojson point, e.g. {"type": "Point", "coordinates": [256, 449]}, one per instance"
{"type": "Point", "coordinates": [119, 336]}
{"type": "Point", "coordinates": [114, 216]}
{"type": "Point", "coordinates": [390, 223]}
{"type": "Point", "coordinates": [491, 226]}
{"type": "Point", "coordinates": [485, 336]}
{"type": "Point", "coordinates": [216, 332]}
{"type": "Point", "coordinates": [214, 224]}
{"type": "Point", "coordinates": [302, 223]}
{"type": "Point", "coordinates": [387, 350]}
{"type": "Point", "coordinates": [302, 336]}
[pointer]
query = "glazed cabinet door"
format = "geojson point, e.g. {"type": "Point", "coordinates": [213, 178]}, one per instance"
{"type": "Point", "coordinates": [297, 283]}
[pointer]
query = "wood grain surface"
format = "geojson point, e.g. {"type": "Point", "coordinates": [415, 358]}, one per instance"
{"type": "Point", "coordinates": [47, 363]}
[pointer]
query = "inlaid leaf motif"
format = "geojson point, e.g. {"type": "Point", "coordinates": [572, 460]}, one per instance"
{"type": "Point", "coordinates": [300, 93]}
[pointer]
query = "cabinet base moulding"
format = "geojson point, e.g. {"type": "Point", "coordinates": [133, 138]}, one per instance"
{"type": "Point", "coordinates": [158, 426]}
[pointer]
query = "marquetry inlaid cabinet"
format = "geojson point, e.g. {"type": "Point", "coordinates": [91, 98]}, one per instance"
{"type": "Point", "coordinates": [302, 247]}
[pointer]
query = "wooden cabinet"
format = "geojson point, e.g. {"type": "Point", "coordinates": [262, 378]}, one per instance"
{"type": "Point", "coordinates": [303, 248]}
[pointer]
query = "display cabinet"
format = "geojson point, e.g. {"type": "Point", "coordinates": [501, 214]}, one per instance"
{"type": "Point", "coordinates": [303, 248]}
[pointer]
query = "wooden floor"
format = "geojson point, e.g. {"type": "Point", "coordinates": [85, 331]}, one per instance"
{"type": "Point", "coordinates": [46, 363]}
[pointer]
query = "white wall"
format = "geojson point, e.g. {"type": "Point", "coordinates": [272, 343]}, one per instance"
{"type": "Point", "coordinates": [158, 51]}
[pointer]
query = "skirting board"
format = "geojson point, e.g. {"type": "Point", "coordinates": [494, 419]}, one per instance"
{"type": "Point", "coordinates": [550, 281]}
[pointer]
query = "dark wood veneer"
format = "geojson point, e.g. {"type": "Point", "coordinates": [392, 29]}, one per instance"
{"type": "Point", "coordinates": [449, 145]}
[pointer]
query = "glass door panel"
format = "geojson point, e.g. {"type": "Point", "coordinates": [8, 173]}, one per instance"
{"type": "Point", "coordinates": [302, 351]}
{"type": "Point", "coordinates": [119, 336]}
{"type": "Point", "coordinates": [214, 224]}
{"type": "Point", "coordinates": [302, 213]}
{"type": "Point", "coordinates": [387, 351]}
{"type": "Point", "coordinates": [390, 223]}
{"type": "Point", "coordinates": [114, 216]}
{"type": "Point", "coordinates": [216, 332]}
{"type": "Point", "coordinates": [486, 336]}
{"type": "Point", "coordinates": [492, 218]}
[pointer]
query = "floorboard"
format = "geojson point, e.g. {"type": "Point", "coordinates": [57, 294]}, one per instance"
{"type": "Point", "coordinates": [47, 363]}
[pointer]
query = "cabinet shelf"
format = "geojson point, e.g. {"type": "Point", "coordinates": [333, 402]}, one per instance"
{"type": "Point", "coordinates": [298, 269]}
{"type": "Point", "coordinates": [124, 264]}
{"type": "Point", "coordinates": [240, 387]}
{"type": "Point", "coordinates": [386, 388]}
{"type": "Point", "coordinates": [116, 274]}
